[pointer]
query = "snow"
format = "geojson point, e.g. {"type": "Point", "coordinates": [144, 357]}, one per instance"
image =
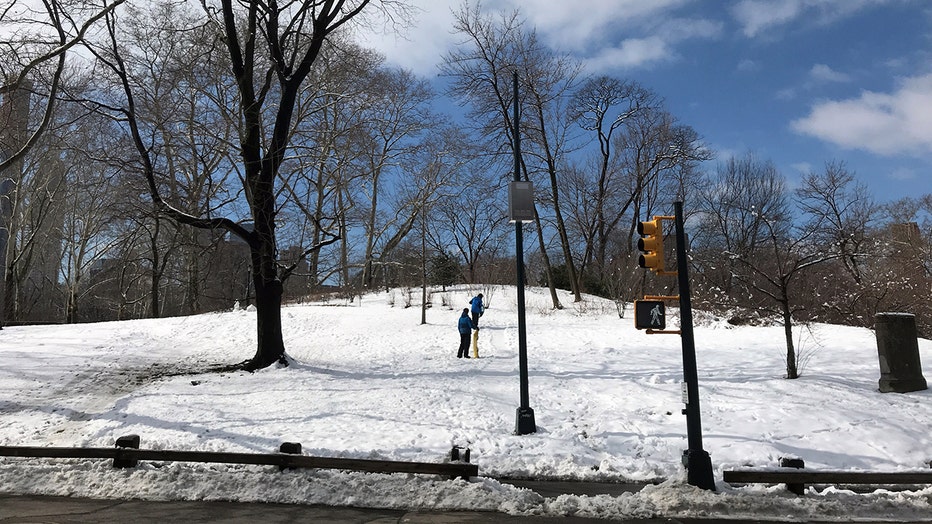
{"type": "Point", "coordinates": [369, 381]}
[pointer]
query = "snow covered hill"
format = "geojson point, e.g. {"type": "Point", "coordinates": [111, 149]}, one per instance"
{"type": "Point", "coordinates": [369, 381]}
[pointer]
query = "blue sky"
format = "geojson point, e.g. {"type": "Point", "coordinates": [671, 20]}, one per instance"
{"type": "Point", "coordinates": [798, 82]}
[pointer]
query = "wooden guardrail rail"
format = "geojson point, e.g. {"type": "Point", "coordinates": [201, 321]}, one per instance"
{"type": "Point", "coordinates": [802, 476]}
{"type": "Point", "coordinates": [796, 479]}
{"type": "Point", "coordinates": [127, 456]}
{"type": "Point", "coordinates": [792, 472]}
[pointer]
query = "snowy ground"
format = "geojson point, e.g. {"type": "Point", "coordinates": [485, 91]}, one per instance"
{"type": "Point", "coordinates": [371, 382]}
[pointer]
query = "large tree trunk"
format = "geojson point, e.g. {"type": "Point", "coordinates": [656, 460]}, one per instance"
{"type": "Point", "coordinates": [71, 316]}
{"type": "Point", "coordinates": [344, 246]}
{"type": "Point", "coordinates": [368, 278]}
{"type": "Point", "coordinates": [791, 367]}
{"type": "Point", "coordinates": [11, 304]}
{"type": "Point", "coordinates": [555, 195]}
{"type": "Point", "coordinates": [270, 347]}
{"type": "Point", "coordinates": [548, 269]}
{"type": "Point", "coordinates": [155, 275]}
{"type": "Point", "coordinates": [567, 253]}
{"type": "Point", "coordinates": [192, 294]}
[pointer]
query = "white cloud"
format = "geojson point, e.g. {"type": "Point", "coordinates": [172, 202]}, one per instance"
{"type": "Point", "coordinates": [902, 174]}
{"type": "Point", "coordinates": [819, 74]}
{"type": "Point", "coordinates": [574, 25]}
{"type": "Point", "coordinates": [589, 29]}
{"type": "Point", "coordinates": [658, 46]}
{"type": "Point", "coordinates": [886, 124]}
{"type": "Point", "coordinates": [631, 53]}
{"type": "Point", "coordinates": [747, 66]}
{"type": "Point", "coordinates": [420, 47]}
{"type": "Point", "coordinates": [758, 16]}
{"type": "Point", "coordinates": [787, 93]}
{"type": "Point", "coordinates": [823, 73]}
{"type": "Point", "coordinates": [681, 29]}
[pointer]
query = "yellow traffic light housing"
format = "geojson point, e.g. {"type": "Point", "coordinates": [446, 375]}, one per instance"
{"type": "Point", "coordinates": [651, 243]}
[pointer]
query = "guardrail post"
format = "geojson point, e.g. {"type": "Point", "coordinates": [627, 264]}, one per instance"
{"type": "Point", "coordinates": [126, 441]}
{"type": "Point", "coordinates": [797, 463]}
{"type": "Point", "coordinates": [291, 448]}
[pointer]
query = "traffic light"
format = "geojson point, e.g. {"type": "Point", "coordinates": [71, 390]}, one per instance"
{"type": "Point", "coordinates": [651, 243]}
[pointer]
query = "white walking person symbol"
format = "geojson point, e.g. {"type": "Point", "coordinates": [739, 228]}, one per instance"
{"type": "Point", "coordinates": [655, 315]}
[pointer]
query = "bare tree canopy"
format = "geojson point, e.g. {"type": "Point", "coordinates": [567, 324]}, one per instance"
{"type": "Point", "coordinates": [270, 50]}
{"type": "Point", "coordinates": [174, 157]}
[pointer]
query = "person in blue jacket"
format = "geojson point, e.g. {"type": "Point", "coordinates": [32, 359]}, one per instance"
{"type": "Point", "coordinates": [478, 308]}
{"type": "Point", "coordinates": [465, 327]}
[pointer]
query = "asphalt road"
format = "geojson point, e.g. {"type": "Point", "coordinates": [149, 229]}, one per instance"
{"type": "Point", "coordinates": [62, 510]}
{"type": "Point", "coordinates": [66, 510]}
{"type": "Point", "coordinates": [22, 509]}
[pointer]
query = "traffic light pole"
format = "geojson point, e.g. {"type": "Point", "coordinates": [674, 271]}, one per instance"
{"type": "Point", "coordinates": [697, 461]}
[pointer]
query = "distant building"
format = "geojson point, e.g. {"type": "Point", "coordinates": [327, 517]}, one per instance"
{"type": "Point", "coordinates": [908, 249]}
{"type": "Point", "coordinates": [14, 116]}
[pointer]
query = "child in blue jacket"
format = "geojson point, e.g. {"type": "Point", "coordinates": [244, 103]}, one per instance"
{"type": "Point", "coordinates": [478, 308]}
{"type": "Point", "coordinates": [465, 328]}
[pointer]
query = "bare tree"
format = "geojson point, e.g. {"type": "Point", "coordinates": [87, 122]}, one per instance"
{"type": "Point", "coordinates": [439, 174]}
{"type": "Point", "coordinates": [37, 39]}
{"type": "Point", "coordinates": [549, 78]}
{"type": "Point", "coordinates": [184, 107]}
{"type": "Point", "coordinates": [32, 64]}
{"type": "Point", "coordinates": [638, 156]}
{"type": "Point", "coordinates": [474, 218]}
{"type": "Point", "coordinates": [749, 227]}
{"type": "Point", "coordinates": [326, 164]}
{"type": "Point", "coordinates": [839, 213]}
{"type": "Point", "coordinates": [654, 149]}
{"type": "Point", "coordinates": [396, 121]}
{"type": "Point", "coordinates": [270, 49]}
{"type": "Point", "coordinates": [32, 215]}
{"type": "Point", "coordinates": [913, 242]}
{"type": "Point", "coordinates": [898, 273]}
{"type": "Point", "coordinates": [601, 106]}
{"type": "Point", "coordinates": [773, 271]}
{"type": "Point", "coordinates": [733, 204]}
{"type": "Point", "coordinates": [482, 69]}
{"type": "Point", "coordinates": [86, 237]}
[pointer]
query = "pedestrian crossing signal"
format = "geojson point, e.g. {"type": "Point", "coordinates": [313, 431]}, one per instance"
{"type": "Point", "coordinates": [650, 314]}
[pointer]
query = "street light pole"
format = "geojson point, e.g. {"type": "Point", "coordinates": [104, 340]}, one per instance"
{"type": "Point", "coordinates": [524, 417]}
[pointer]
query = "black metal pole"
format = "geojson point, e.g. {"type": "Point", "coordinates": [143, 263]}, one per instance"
{"type": "Point", "coordinates": [697, 460]}
{"type": "Point", "coordinates": [524, 417]}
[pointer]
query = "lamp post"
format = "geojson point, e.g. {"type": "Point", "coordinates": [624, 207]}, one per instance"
{"type": "Point", "coordinates": [524, 417]}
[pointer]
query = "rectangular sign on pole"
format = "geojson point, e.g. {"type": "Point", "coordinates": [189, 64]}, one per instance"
{"type": "Point", "coordinates": [649, 314]}
{"type": "Point", "coordinates": [521, 202]}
